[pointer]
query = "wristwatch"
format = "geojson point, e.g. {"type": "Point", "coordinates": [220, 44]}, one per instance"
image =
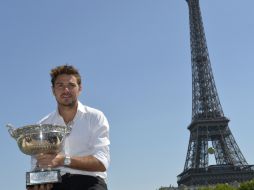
{"type": "Point", "coordinates": [67, 160]}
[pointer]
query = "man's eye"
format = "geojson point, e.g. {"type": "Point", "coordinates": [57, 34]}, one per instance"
{"type": "Point", "coordinates": [72, 85]}
{"type": "Point", "coordinates": [62, 86]}
{"type": "Point", "coordinates": [59, 85]}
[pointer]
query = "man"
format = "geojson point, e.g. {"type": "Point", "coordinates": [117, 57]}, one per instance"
{"type": "Point", "coordinates": [85, 156]}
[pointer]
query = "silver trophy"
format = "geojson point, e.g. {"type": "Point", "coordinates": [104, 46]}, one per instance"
{"type": "Point", "coordinates": [40, 139]}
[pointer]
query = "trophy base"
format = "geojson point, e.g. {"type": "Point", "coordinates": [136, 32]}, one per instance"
{"type": "Point", "coordinates": [43, 177]}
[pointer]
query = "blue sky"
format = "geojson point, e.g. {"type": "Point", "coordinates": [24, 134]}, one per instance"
{"type": "Point", "coordinates": [134, 57]}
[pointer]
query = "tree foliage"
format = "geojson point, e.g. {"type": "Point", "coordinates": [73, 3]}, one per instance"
{"type": "Point", "coordinates": [219, 187]}
{"type": "Point", "coordinates": [249, 185]}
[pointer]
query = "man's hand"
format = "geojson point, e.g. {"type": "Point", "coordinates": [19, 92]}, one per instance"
{"type": "Point", "coordinates": [41, 187]}
{"type": "Point", "coordinates": [49, 160]}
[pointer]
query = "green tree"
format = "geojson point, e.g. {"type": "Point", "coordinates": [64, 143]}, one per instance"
{"type": "Point", "coordinates": [249, 185]}
{"type": "Point", "coordinates": [219, 187]}
{"type": "Point", "coordinates": [224, 187]}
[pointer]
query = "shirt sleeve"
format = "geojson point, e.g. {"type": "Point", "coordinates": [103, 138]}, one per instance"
{"type": "Point", "coordinates": [100, 139]}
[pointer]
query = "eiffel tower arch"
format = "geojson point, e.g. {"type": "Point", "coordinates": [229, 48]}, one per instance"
{"type": "Point", "coordinates": [209, 129]}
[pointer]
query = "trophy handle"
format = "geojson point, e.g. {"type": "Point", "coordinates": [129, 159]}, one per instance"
{"type": "Point", "coordinates": [11, 130]}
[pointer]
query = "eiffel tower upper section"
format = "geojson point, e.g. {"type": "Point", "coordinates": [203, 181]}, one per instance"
{"type": "Point", "coordinates": [205, 100]}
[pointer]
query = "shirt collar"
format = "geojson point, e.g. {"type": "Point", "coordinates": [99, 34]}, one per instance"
{"type": "Point", "coordinates": [81, 109]}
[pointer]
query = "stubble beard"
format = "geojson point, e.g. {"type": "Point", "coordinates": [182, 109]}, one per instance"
{"type": "Point", "coordinates": [67, 104]}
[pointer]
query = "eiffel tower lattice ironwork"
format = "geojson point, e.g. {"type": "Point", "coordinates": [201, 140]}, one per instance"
{"type": "Point", "coordinates": [209, 131]}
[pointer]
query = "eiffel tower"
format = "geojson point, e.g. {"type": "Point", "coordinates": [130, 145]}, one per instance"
{"type": "Point", "coordinates": [210, 135]}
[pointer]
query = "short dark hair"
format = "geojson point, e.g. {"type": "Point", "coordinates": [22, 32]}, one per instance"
{"type": "Point", "coordinates": [64, 69]}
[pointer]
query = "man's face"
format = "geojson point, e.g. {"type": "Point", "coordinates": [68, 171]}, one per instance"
{"type": "Point", "coordinates": [66, 90]}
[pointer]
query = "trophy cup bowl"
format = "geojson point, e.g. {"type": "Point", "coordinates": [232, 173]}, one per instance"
{"type": "Point", "coordinates": [40, 139]}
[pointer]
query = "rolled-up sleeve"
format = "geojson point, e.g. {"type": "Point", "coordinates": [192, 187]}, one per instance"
{"type": "Point", "coordinates": [100, 140]}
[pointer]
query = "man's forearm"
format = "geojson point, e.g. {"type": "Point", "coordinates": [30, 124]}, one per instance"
{"type": "Point", "coordinates": [86, 163]}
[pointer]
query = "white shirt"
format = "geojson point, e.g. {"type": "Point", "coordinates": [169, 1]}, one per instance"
{"type": "Point", "coordinates": [89, 136]}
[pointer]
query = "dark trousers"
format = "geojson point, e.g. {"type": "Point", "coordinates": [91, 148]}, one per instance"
{"type": "Point", "coordinates": [80, 182]}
